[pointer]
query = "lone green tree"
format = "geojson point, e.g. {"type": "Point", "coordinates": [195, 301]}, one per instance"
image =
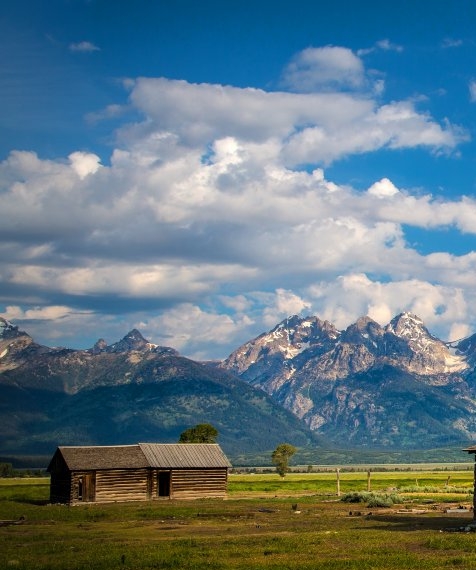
{"type": "Point", "coordinates": [281, 456]}
{"type": "Point", "coordinates": [201, 433]}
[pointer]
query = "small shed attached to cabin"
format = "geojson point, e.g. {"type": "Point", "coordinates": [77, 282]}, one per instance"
{"type": "Point", "coordinates": [472, 450]}
{"type": "Point", "coordinates": [88, 474]}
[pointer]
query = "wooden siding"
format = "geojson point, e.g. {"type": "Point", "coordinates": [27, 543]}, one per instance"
{"type": "Point", "coordinates": [198, 483]}
{"type": "Point", "coordinates": [122, 485]}
{"type": "Point", "coordinates": [113, 485]}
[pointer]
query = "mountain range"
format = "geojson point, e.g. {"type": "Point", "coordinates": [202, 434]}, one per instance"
{"type": "Point", "coordinates": [368, 387]}
{"type": "Point", "coordinates": [128, 392]}
{"type": "Point", "coordinates": [396, 386]}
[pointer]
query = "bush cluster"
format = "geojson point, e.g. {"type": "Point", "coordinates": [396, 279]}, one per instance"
{"type": "Point", "coordinates": [372, 500]}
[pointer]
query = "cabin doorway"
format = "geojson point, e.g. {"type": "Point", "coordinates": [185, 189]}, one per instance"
{"type": "Point", "coordinates": [163, 483]}
{"type": "Point", "coordinates": [87, 488]}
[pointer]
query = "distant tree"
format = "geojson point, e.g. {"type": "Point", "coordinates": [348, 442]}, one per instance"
{"type": "Point", "coordinates": [6, 470]}
{"type": "Point", "coordinates": [281, 456]}
{"type": "Point", "coordinates": [201, 433]}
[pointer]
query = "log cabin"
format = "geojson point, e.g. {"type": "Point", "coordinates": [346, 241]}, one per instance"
{"type": "Point", "coordinates": [141, 472]}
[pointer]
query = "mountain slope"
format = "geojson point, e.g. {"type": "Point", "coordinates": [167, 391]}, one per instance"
{"type": "Point", "coordinates": [128, 392]}
{"type": "Point", "coordinates": [395, 386]}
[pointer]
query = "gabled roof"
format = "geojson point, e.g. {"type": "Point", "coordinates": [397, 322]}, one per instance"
{"type": "Point", "coordinates": [184, 455]}
{"type": "Point", "coordinates": [102, 457]}
{"type": "Point", "coordinates": [471, 449]}
{"type": "Point", "coordinates": [142, 455]}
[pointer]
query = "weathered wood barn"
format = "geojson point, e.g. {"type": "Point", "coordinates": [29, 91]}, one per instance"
{"type": "Point", "coordinates": [137, 472]}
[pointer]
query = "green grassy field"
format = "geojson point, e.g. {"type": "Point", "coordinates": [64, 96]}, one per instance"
{"type": "Point", "coordinates": [266, 522]}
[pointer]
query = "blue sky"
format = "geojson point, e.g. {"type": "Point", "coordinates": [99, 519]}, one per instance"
{"type": "Point", "coordinates": [201, 170]}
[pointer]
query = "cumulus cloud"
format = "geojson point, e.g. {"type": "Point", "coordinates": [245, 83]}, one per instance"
{"type": "Point", "coordinates": [284, 303]}
{"type": "Point", "coordinates": [37, 313]}
{"type": "Point", "coordinates": [84, 163]}
{"type": "Point", "coordinates": [204, 228]}
{"type": "Point", "coordinates": [314, 128]}
{"type": "Point", "coordinates": [442, 307]}
{"type": "Point", "coordinates": [383, 188]}
{"type": "Point", "coordinates": [329, 68]}
{"type": "Point", "coordinates": [187, 326]}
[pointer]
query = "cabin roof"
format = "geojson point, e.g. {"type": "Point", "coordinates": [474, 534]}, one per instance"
{"type": "Point", "coordinates": [471, 449]}
{"type": "Point", "coordinates": [142, 455]}
{"type": "Point", "coordinates": [103, 457]}
{"type": "Point", "coordinates": [184, 455]}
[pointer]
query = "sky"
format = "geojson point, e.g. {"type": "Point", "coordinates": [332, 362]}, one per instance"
{"type": "Point", "coordinates": [202, 170]}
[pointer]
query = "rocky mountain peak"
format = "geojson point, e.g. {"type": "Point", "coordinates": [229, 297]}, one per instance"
{"type": "Point", "coordinates": [132, 341]}
{"type": "Point", "coordinates": [294, 337]}
{"type": "Point", "coordinates": [299, 331]}
{"type": "Point", "coordinates": [432, 353]}
{"type": "Point", "coordinates": [466, 349]}
{"type": "Point", "coordinates": [365, 330]}
{"type": "Point", "coordinates": [99, 346]}
{"type": "Point", "coordinates": [9, 331]}
{"type": "Point", "coordinates": [13, 344]}
{"type": "Point", "coordinates": [407, 325]}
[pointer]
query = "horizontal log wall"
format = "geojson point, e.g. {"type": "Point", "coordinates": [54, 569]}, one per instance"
{"type": "Point", "coordinates": [115, 485]}
{"type": "Point", "coordinates": [141, 484]}
{"type": "Point", "coordinates": [196, 483]}
{"type": "Point", "coordinates": [122, 485]}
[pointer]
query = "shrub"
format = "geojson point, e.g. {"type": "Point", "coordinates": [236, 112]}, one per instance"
{"type": "Point", "coordinates": [372, 499]}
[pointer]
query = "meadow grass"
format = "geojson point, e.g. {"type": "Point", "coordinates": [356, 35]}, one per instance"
{"type": "Point", "coordinates": [265, 523]}
{"type": "Point", "coordinates": [325, 483]}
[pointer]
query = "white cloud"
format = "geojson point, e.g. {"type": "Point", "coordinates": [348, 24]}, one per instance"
{"type": "Point", "coordinates": [383, 188]}
{"type": "Point", "coordinates": [384, 45]}
{"type": "Point", "coordinates": [451, 43]}
{"type": "Point", "coordinates": [83, 47]}
{"type": "Point", "coordinates": [314, 128]}
{"type": "Point", "coordinates": [188, 327]}
{"type": "Point", "coordinates": [38, 313]}
{"type": "Point", "coordinates": [472, 91]}
{"type": "Point", "coordinates": [342, 302]}
{"type": "Point", "coordinates": [459, 331]}
{"type": "Point", "coordinates": [387, 45]}
{"type": "Point", "coordinates": [204, 216]}
{"type": "Point", "coordinates": [110, 112]}
{"type": "Point", "coordinates": [84, 163]}
{"type": "Point", "coordinates": [329, 68]}
{"type": "Point", "coordinates": [285, 303]}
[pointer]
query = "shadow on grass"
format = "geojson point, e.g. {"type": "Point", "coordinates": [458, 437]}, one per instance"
{"type": "Point", "coordinates": [36, 502]}
{"type": "Point", "coordinates": [417, 522]}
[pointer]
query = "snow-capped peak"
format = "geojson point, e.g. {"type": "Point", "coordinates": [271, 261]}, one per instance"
{"type": "Point", "coordinates": [9, 330]}
{"type": "Point", "coordinates": [407, 325]}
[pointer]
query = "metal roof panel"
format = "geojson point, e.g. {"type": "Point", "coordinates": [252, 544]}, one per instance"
{"type": "Point", "coordinates": [184, 455]}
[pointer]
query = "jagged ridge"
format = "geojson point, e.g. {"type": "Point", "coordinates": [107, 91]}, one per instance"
{"type": "Point", "coordinates": [338, 381]}
{"type": "Point", "coordinates": [129, 391]}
